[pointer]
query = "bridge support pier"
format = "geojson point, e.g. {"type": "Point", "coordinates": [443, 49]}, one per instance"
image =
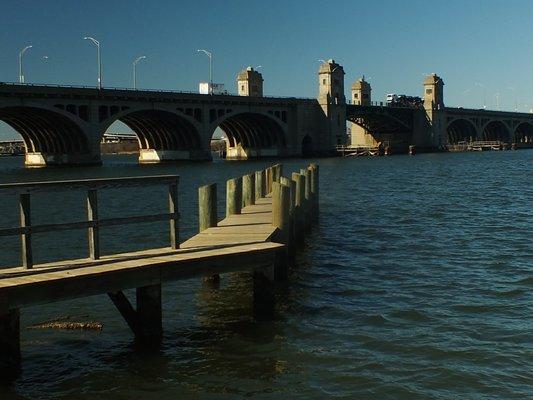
{"type": "Point", "coordinates": [41, 160]}
{"type": "Point", "coordinates": [10, 360]}
{"type": "Point", "coordinates": [153, 156]}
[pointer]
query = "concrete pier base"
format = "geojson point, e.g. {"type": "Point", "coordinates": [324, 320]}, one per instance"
{"type": "Point", "coordinates": [10, 360]}
{"type": "Point", "coordinates": [41, 160]}
{"type": "Point", "coordinates": [152, 156]}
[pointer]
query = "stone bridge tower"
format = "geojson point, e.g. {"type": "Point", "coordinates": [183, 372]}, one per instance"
{"type": "Point", "coordinates": [333, 103]}
{"type": "Point", "coordinates": [250, 83]}
{"type": "Point", "coordinates": [434, 106]}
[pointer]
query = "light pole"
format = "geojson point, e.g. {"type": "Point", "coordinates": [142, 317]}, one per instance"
{"type": "Point", "coordinates": [210, 55]}
{"type": "Point", "coordinates": [135, 62]}
{"type": "Point", "coordinates": [21, 75]}
{"type": "Point", "coordinates": [98, 59]}
{"type": "Point", "coordinates": [515, 98]}
{"type": "Point", "coordinates": [484, 93]}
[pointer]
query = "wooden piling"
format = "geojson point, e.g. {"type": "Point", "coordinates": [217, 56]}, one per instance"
{"type": "Point", "coordinates": [314, 188]}
{"type": "Point", "coordinates": [292, 195]}
{"type": "Point", "coordinates": [248, 190]}
{"type": "Point", "coordinates": [264, 299]}
{"type": "Point", "coordinates": [25, 222]}
{"type": "Point", "coordinates": [307, 197]}
{"type": "Point", "coordinates": [92, 216]}
{"type": "Point", "coordinates": [259, 185]}
{"type": "Point", "coordinates": [299, 211]}
{"type": "Point", "coordinates": [207, 218]}
{"type": "Point", "coordinates": [149, 316]}
{"type": "Point", "coordinates": [281, 220]}
{"type": "Point", "coordinates": [207, 207]}
{"type": "Point", "coordinates": [10, 360]}
{"type": "Point", "coordinates": [233, 196]}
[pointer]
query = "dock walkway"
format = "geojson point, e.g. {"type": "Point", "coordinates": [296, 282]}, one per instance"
{"type": "Point", "coordinates": [265, 213]}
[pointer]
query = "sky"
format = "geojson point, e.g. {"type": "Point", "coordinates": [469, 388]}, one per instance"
{"type": "Point", "coordinates": [481, 49]}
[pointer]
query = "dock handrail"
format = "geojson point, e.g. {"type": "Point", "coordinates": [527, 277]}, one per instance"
{"type": "Point", "coordinates": [93, 222]}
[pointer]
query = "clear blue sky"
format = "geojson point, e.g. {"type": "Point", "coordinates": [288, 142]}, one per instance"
{"type": "Point", "coordinates": [392, 42]}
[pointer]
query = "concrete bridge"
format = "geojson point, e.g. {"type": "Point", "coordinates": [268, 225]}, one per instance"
{"type": "Point", "coordinates": [432, 125]}
{"type": "Point", "coordinates": [65, 125]}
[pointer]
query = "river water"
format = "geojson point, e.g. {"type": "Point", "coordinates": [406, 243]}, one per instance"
{"type": "Point", "coordinates": [416, 284]}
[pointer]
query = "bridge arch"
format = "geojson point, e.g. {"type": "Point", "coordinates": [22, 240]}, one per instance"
{"type": "Point", "coordinates": [496, 130]}
{"type": "Point", "coordinates": [523, 133]}
{"type": "Point", "coordinates": [163, 135]}
{"type": "Point", "coordinates": [252, 135]}
{"type": "Point", "coordinates": [461, 130]}
{"type": "Point", "coordinates": [50, 136]}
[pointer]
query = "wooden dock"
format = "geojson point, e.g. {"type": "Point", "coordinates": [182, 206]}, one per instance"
{"type": "Point", "coordinates": [267, 215]}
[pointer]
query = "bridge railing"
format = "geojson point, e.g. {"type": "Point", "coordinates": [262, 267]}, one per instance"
{"type": "Point", "coordinates": [129, 89]}
{"type": "Point", "coordinates": [383, 104]}
{"type": "Point", "coordinates": [93, 223]}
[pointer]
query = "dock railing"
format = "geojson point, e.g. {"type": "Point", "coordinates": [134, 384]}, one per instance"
{"type": "Point", "coordinates": [92, 223]}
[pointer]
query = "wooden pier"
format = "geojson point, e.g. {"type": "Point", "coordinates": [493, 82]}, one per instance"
{"type": "Point", "coordinates": [266, 218]}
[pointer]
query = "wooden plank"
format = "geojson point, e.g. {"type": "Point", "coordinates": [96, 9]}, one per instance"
{"type": "Point", "coordinates": [89, 183]}
{"type": "Point", "coordinates": [104, 276]}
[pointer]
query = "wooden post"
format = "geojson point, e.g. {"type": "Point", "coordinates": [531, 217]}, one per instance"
{"type": "Point", "coordinates": [93, 232]}
{"type": "Point", "coordinates": [173, 209]}
{"type": "Point", "coordinates": [233, 196]}
{"type": "Point", "coordinates": [314, 190]}
{"type": "Point", "coordinates": [299, 201]}
{"type": "Point", "coordinates": [248, 190]}
{"type": "Point", "coordinates": [308, 206]}
{"type": "Point", "coordinates": [207, 207]}
{"type": "Point", "coordinates": [268, 173]}
{"type": "Point", "coordinates": [207, 218]}
{"type": "Point", "coordinates": [25, 222]}
{"type": "Point", "coordinates": [292, 195]}
{"type": "Point", "coordinates": [259, 185]}
{"type": "Point", "coordinates": [149, 315]}
{"type": "Point", "coordinates": [281, 220]}
{"type": "Point", "coordinates": [264, 299]}
{"type": "Point", "coordinates": [10, 359]}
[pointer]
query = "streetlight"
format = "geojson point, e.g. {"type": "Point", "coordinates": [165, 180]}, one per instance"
{"type": "Point", "coordinates": [484, 93]}
{"type": "Point", "coordinates": [515, 98]}
{"type": "Point", "coordinates": [21, 75]}
{"type": "Point", "coordinates": [210, 55]}
{"type": "Point", "coordinates": [135, 70]}
{"type": "Point", "coordinates": [98, 59]}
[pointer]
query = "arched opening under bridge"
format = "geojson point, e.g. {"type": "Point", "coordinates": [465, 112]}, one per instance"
{"type": "Point", "coordinates": [523, 134]}
{"type": "Point", "coordinates": [49, 137]}
{"type": "Point", "coordinates": [252, 135]}
{"type": "Point", "coordinates": [461, 130]}
{"type": "Point", "coordinates": [157, 135]}
{"type": "Point", "coordinates": [496, 131]}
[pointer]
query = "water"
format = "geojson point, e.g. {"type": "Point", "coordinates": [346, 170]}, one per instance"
{"type": "Point", "coordinates": [417, 284]}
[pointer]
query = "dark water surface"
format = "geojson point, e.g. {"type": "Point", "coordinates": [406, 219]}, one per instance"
{"type": "Point", "coordinates": [417, 284]}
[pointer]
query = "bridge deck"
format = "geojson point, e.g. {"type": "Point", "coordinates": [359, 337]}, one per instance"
{"type": "Point", "coordinates": [239, 242]}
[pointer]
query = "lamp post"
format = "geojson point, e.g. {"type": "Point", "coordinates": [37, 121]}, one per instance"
{"type": "Point", "coordinates": [98, 59]}
{"type": "Point", "coordinates": [515, 97]}
{"type": "Point", "coordinates": [210, 55]}
{"type": "Point", "coordinates": [21, 54]}
{"type": "Point", "coordinates": [135, 62]}
{"type": "Point", "coordinates": [484, 93]}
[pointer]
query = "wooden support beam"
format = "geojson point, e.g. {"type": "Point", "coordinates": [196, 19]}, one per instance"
{"type": "Point", "coordinates": [93, 232]}
{"type": "Point", "coordinates": [314, 190]}
{"type": "Point", "coordinates": [10, 360]}
{"type": "Point", "coordinates": [248, 190]}
{"type": "Point", "coordinates": [233, 196]}
{"type": "Point", "coordinates": [207, 215]}
{"type": "Point", "coordinates": [174, 220]}
{"type": "Point", "coordinates": [299, 213]}
{"type": "Point", "coordinates": [125, 308]}
{"type": "Point", "coordinates": [290, 232]}
{"type": "Point", "coordinates": [149, 316]}
{"type": "Point", "coordinates": [281, 220]}
{"type": "Point", "coordinates": [259, 185]}
{"type": "Point", "coordinates": [264, 299]}
{"type": "Point", "coordinates": [25, 222]}
{"type": "Point", "coordinates": [307, 201]}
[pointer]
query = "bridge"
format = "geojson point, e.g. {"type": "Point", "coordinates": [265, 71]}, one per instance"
{"type": "Point", "coordinates": [65, 125]}
{"type": "Point", "coordinates": [431, 125]}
